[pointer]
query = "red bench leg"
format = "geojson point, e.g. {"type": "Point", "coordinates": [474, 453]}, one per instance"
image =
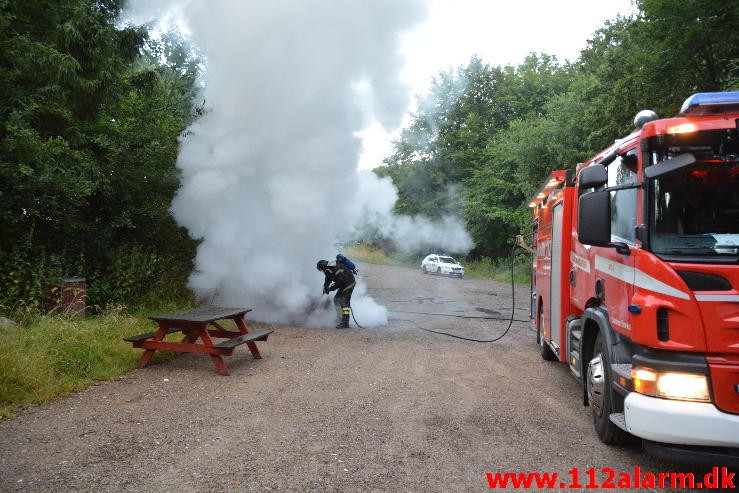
{"type": "Point", "coordinates": [216, 358]}
{"type": "Point", "coordinates": [220, 365]}
{"type": "Point", "coordinates": [253, 348]}
{"type": "Point", "coordinates": [159, 336]}
{"type": "Point", "coordinates": [250, 344]}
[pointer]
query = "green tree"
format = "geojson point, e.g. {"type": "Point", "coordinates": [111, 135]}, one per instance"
{"type": "Point", "coordinates": [425, 181]}
{"type": "Point", "coordinates": [667, 51]}
{"type": "Point", "coordinates": [89, 118]}
{"type": "Point", "coordinates": [452, 159]}
{"type": "Point", "coordinates": [498, 132]}
{"type": "Point", "coordinates": [59, 61]}
{"type": "Point", "coordinates": [129, 209]}
{"type": "Point", "coordinates": [517, 161]}
{"type": "Point", "coordinates": [694, 46]}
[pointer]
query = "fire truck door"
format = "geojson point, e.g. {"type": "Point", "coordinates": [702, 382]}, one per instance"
{"type": "Point", "coordinates": [615, 270]}
{"type": "Point", "coordinates": [555, 309]}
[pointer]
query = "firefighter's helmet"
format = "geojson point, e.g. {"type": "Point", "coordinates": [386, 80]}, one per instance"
{"type": "Point", "coordinates": [321, 265]}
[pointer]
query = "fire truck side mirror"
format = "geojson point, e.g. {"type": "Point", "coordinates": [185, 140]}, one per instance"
{"type": "Point", "coordinates": [594, 218]}
{"type": "Point", "coordinates": [593, 176]}
{"type": "Point", "coordinates": [594, 221]}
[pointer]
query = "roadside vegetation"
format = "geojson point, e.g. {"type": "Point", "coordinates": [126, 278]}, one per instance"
{"type": "Point", "coordinates": [497, 270]}
{"type": "Point", "coordinates": [47, 355]}
{"type": "Point", "coordinates": [374, 255]}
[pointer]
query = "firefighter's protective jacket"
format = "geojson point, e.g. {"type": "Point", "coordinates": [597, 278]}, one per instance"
{"type": "Point", "coordinates": [338, 276]}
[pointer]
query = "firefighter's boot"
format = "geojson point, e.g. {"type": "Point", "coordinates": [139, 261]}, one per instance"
{"type": "Point", "coordinates": [344, 323]}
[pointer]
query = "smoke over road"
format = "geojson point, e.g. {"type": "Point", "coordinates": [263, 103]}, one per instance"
{"type": "Point", "coordinates": [269, 172]}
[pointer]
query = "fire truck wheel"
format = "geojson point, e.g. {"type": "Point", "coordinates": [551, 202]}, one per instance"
{"type": "Point", "coordinates": [544, 350]}
{"type": "Point", "coordinates": [600, 396]}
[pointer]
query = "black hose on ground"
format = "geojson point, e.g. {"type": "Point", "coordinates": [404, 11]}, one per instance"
{"type": "Point", "coordinates": [510, 321]}
{"type": "Point", "coordinates": [355, 320]}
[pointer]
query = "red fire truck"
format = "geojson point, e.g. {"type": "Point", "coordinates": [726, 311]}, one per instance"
{"type": "Point", "coordinates": [636, 281]}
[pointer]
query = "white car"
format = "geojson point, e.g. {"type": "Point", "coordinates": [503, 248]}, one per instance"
{"type": "Point", "coordinates": [441, 264]}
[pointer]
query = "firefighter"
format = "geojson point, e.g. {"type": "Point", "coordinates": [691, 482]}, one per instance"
{"type": "Point", "coordinates": [339, 278]}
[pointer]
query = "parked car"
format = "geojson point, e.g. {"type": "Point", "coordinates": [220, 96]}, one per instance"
{"type": "Point", "coordinates": [442, 265]}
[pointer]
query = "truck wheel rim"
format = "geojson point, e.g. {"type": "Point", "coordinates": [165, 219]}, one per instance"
{"type": "Point", "coordinates": [596, 384]}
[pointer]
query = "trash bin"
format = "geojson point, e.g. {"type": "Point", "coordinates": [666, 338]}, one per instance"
{"type": "Point", "coordinates": [74, 296]}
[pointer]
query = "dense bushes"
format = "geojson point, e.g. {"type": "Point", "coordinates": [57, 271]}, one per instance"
{"type": "Point", "coordinates": [90, 114]}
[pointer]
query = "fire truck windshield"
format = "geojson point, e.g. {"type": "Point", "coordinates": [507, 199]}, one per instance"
{"type": "Point", "coordinates": [695, 211]}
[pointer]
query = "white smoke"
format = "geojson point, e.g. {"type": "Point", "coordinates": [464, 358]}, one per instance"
{"type": "Point", "coordinates": [269, 172]}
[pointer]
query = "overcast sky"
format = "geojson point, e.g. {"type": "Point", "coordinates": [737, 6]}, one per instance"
{"type": "Point", "coordinates": [500, 33]}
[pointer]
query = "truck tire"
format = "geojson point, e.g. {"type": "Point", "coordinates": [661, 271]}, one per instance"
{"type": "Point", "coordinates": [544, 350]}
{"type": "Point", "coordinates": [600, 396]}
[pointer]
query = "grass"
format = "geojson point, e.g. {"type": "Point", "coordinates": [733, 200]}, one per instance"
{"type": "Point", "coordinates": [373, 255]}
{"type": "Point", "coordinates": [45, 356]}
{"type": "Point", "coordinates": [486, 268]}
{"type": "Point", "coordinates": [500, 270]}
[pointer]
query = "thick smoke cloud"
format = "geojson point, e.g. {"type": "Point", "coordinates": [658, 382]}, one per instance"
{"type": "Point", "coordinates": [269, 172]}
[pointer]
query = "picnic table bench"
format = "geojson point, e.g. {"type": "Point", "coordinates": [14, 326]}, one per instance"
{"type": "Point", "coordinates": [200, 326]}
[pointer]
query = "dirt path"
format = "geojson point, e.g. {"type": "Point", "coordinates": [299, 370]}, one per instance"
{"type": "Point", "coordinates": [384, 409]}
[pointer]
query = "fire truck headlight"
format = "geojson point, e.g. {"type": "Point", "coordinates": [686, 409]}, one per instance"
{"type": "Point", "coordinates": [671, 385]}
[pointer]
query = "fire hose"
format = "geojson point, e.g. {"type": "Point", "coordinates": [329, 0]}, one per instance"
{"type": "Point", "coordinates": [510, 320]}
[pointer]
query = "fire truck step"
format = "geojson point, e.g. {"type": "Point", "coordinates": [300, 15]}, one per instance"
{"type": "Point", "coordinates": [619, 420]}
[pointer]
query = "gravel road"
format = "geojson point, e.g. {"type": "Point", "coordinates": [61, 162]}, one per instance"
{"type": "Point", "coordinates": [390, 409]}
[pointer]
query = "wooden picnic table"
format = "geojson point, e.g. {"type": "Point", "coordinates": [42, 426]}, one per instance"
{"type": "Point", "coordinates": [200, 326]}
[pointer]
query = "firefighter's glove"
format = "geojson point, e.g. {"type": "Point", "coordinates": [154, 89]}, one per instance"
{"type": "Point", "coordinates": [325, 290]}
{"type": "Point", "coordinates": [333, 286]}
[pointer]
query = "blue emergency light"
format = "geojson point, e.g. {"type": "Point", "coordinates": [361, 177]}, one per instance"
{"type": "Point", "coordinates": [711, 103]}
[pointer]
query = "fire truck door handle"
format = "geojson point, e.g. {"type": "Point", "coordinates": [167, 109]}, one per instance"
{"type": "Point", "coordinates": [572, 277]}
